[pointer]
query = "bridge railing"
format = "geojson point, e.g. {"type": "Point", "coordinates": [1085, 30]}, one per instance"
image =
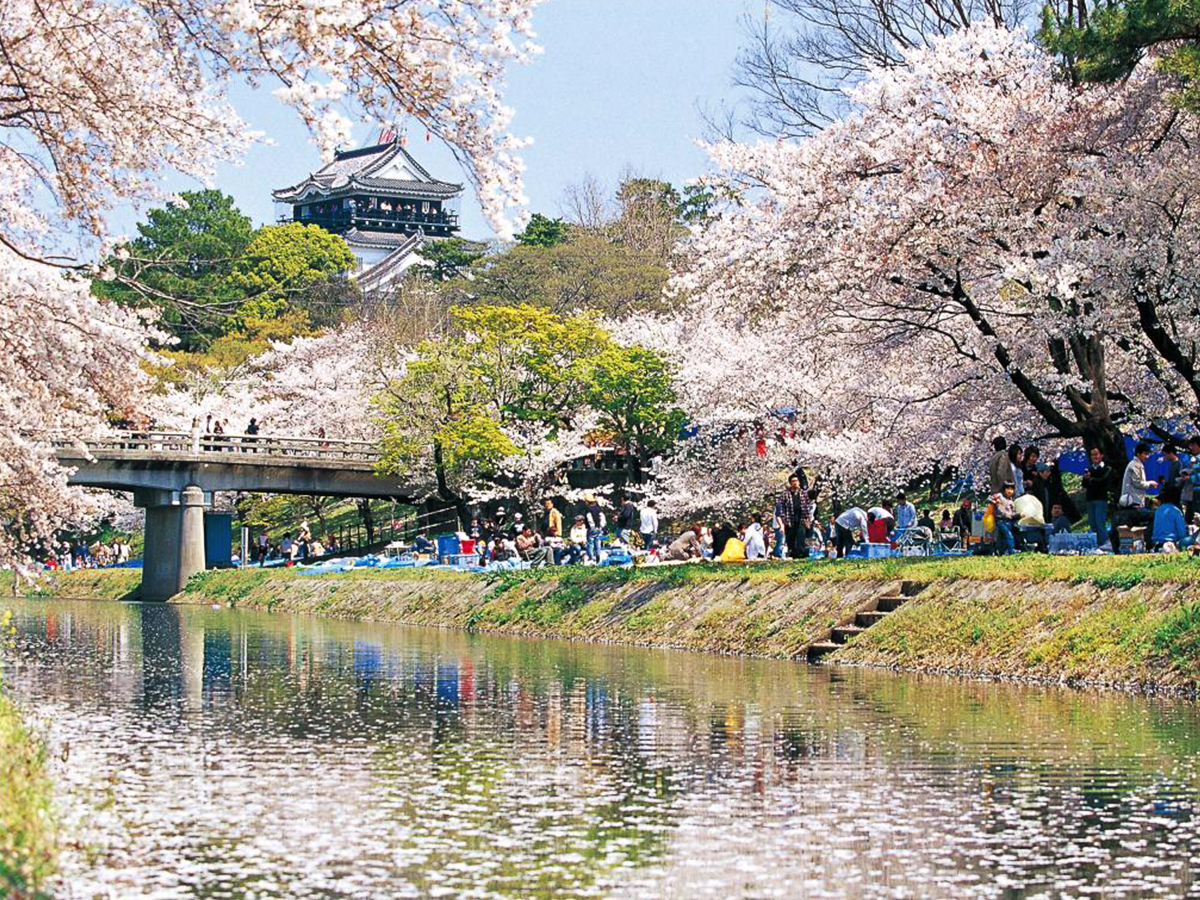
{"type": "Point", "coordinates": [186, 444]}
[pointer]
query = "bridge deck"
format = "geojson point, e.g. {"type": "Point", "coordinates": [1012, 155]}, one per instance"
{"type": "Point", "coordinates": [170, 461]}
{"type": "Point", "coordinates": [238, 449]}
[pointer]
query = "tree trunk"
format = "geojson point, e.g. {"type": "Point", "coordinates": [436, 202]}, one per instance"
{"type": "Point", "coordinates": [368, 518]}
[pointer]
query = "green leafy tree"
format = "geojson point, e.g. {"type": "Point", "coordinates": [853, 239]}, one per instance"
{"type": "Point", "coordinates": [446, 259]}
{"type": "Point", "coordinates": [508, 379]}
{"type": "Point", "coordinates": [633, 390]}
{"type": "Point", "coordinates": [587, 272]}
{"type": "Point", "coordinates": [180, 263]}
{"type": "Point", "coordinates": [1106, 42]}
{"type": "Point", "coordinates": [542, 231]}
{"type": "Point", "coordinates": [282, 263]}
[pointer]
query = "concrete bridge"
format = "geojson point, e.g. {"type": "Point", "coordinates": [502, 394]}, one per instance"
{"type": "Point", "coordinates": [173, 476]}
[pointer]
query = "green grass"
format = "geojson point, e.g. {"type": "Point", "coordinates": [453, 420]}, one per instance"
{"type": "Point", "coordinates": [28, 835]}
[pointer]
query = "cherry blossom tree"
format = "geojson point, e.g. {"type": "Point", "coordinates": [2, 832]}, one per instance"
{"type": "Point", "coordinates": [101, 100]}
{"type": "Point", "coordinates": [978, 248]}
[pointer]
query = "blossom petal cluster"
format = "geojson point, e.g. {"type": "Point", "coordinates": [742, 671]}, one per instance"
{"type": "Point", "coordinates": [979, 248]}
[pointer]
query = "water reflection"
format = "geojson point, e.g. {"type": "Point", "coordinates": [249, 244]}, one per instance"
{"type": "Point", "coordinates": [222, 754]}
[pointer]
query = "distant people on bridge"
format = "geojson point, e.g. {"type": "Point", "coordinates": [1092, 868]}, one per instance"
{"type": "Point", "coordinates": [252, 434]}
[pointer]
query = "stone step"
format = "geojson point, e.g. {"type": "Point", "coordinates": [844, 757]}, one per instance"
{"type": "Point", "coordinates": [819, 649]}
{"type": "Point", "coordinates": [867, 619]}
{"type": "Point", "coordinates": [843, 633]}
{"type": "Point", "coordinates": [888, 604]}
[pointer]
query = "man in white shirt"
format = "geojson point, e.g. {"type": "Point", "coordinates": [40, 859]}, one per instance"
{"type": "Point", "coordinates": [906, 513]}
{"type": "Point", "coordinates": [1131, 502]}
{"type": "Point", "coordinates": [845, 525]}
{"type": "Point", "coordinates": [648, 524]}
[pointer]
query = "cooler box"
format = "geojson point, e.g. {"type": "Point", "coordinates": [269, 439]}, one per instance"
{"type": "Point", "coordinates": [467, 546]}
{"type": "Point", "coordinates": [447, 545]}
{"type": "Point", "coordinates": [871, 551]}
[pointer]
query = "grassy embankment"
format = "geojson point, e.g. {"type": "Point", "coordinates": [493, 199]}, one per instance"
{"type": "Point", "coordinates": [28, 841]}
{"type": "Point", "coordinates": [1116, 620]}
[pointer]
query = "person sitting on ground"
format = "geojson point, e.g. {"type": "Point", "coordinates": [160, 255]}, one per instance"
{"type": "Point", "coordinates": [755, 539]}
{"type": "Point", "coordinates": [947, 533]}
{"type": "Point", "coordinates": [331, 543]}
{"type": "Point", "coordinates": [1059, 523]}
{"type": "Point", "coordinates": [906, 513]}
{"type": "Point", "coordinates": [1005, 513]}
{"type": "Point", "coordinates": [733, 551]}
{"type": "Point", "coordinates": [964, 520]}
{"type": "Point", "coordinates": [316, 548]}
{"type": "Point", "coordinates": [530, 548]}
{"type": "Point", "coordinates": [845, 526]}
{"type": "Point", "coordinates": [423, 544]}
{"type": "Point", "coordinates": [1170, 531]}
{"type": "Point", "coordinates": [925, 520]}
{"type": "Point", "coordinates": [721, 534]}
{"type": "Point", "coordinates": [686, 546]}
{"type": "Point", "coordinates": [576, 549]}
{"type": "Point", "coordinates": [498, 550]}
{"type": "Point", "coordinates": [1191, 476]}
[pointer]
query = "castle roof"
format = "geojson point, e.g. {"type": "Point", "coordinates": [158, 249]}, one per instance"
{"type": "Point", "coordinates": [384, 168]}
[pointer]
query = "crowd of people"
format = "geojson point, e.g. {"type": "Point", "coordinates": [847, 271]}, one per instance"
{"type": "Point", "coordinates": [97, 555]}
{"type": "Point", "coordinates": [291, 548]}
{"type": "Point", "coordinates": [1163, 521]}
{"type": "Point", "coordinates": [1026, 505]}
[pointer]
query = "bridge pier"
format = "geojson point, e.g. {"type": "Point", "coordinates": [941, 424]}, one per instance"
{"type": "Point", "coordinates": [174, 539]}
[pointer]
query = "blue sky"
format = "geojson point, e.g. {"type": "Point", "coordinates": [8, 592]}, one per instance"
{"type": "Point", "coordinates": [617, 87]}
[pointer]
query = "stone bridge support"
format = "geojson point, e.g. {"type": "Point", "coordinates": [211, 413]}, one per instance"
{"type": "Point", "coordinates": [174, 539]}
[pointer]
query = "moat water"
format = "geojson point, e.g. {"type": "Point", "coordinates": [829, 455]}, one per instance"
{"type": "Point", "coordinates": [200, 753]}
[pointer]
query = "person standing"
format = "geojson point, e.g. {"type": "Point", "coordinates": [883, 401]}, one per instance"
{"type": "Point", "coordinates": [252, 433]}
{"type": "Point", "coordinates": [845, 525]}
{"type": "Point", "coordinates": [788, 512]}
{"type": "Point", "coordinates": [593, 517]}
{"type": "Point", "coordinates": [1031, 458]}
{"type": "Point", "coordinates": [625, 518]}
{"type": "Point", "coordinates": [648, 524]}
{"type": "Point", "coordinates": [1006, 519]}
{"type": "Point", "coordinates": [1131, 502]}
{"type": "Point", "coordinates": [1000, 468]}
{"type": "Point", "coordinates": [1015, 457]}
{"type": "Point", "coordinates": [1097, 483]}
{"type": "Point", "coordinates": [553, 526]}
{"type": "Point", "coordinates": [1038, 485]}
{"type": "Point", "coordinates": [906, 513]}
